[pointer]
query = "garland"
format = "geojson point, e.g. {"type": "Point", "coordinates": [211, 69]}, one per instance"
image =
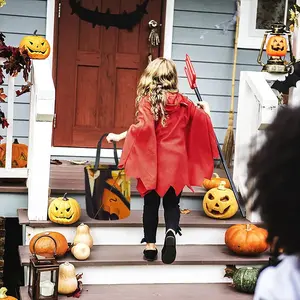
{"type": "Point", "coordinates": [15, 61]}
{"type": "Point", "coordinates": [294, 14]}
{"type": "Point", "coordinates": [122, 21]}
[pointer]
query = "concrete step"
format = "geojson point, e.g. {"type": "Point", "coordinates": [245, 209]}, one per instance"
{"type": "Point", "coordinates": [197, 229]}
{"type": "Point", "coordinates": [125, 265]}
{"type": "Point", "coordinates": [156, 291]}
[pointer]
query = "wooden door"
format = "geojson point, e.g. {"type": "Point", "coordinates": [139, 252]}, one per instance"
{"type": "Point", "coordinates": [97, 72]}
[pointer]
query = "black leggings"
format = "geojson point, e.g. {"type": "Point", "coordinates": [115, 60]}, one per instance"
{"type": "Point", "coordinates": [150, 215]}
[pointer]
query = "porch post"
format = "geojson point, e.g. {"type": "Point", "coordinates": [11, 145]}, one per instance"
{"type": "Point", "coordinates": [294, 95]}
{"type": "Point", "coordinates": [40, 138]}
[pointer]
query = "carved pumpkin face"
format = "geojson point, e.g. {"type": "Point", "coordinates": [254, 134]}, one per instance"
{"type": "Point", "coordinates": [37, 46]}
{"type": "Point", "coordinates": [19, 155]}
{"type": "Point", "coordinates": [220, 203]}
{"type": "Point", "coordinates": [64, 210]}
{"type": "Point", "coordinates": [276, 46]}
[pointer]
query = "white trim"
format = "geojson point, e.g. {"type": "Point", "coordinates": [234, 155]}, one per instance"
{"type": "Point", "coordinates": [168, 34]}
{"type": "Point", "coordinates": [81, 152]}
{"type": "Point", "coordinates": [249, 36]}
{"type": "Point", "coordinates": [168, 38]}
{"type": "Point", "coordinates": [50, 28]}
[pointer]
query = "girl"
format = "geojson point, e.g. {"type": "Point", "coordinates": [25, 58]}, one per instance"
{"type": "Point", "coordinates": [275, 172]}
{"type": "Point", "coordinates": [172, 145]}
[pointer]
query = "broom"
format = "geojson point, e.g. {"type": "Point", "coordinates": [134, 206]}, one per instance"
{"type": "Point", "coordinates": [228, 146]}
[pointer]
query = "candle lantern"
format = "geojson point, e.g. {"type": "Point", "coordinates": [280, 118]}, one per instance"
{"type": "Point", "coordinates": [43, 275]}
{"type": "Point", "coordinates": [276, 49]}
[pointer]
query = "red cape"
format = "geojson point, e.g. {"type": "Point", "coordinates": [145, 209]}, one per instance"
{"type": "Point", "coordinates": [180, 154]}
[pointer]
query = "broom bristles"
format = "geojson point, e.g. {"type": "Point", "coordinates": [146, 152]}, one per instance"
{"type": "Point", "coordinates": [228, 146]}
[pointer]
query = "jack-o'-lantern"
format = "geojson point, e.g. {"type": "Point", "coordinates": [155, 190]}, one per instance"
{"type": "Point", "coordinates": [276, 46]}
{"type": "Point", "coordinates": [19, 155]}
{"type": "Point", "coordinates": [114, 204]}
{"type": "Point", "coordinates": [64, 210]}
{"type": "Point", "coordinates": [37, 46]}
{"type": "Point", "coordinates": [220, 203]}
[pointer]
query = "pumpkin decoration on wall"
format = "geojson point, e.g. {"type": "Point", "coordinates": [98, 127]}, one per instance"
{"type": "Point", "coordinates": [37, 46]}
{"type": "Point", "coordinates": [45, 246]}
{"type": "Point", "coordinates": [64, 210]}
{"type": "Point", "coordinates": [215, 182]}
{"type": "Point", "coordinates": [19, 155]}
{"type": "Point", "coordinates": [276, 46]}
{"type": "Point", "coordinates": [244, 279]}
{"type": "Point", "coordinates": [246, 239]}
{"type": "Point", "coordinates": [220, 203]}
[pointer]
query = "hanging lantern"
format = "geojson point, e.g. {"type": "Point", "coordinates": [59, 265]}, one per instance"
{"type": "Point", "coordinates": [279, 40]}
{"type": "Point", "coordinates": [43, 276]}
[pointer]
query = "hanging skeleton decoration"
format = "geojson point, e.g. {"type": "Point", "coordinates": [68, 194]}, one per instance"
{"type": "Point", "coordinates": [153, 39]}
{"type": "Point", "coordinates": [122, 21]}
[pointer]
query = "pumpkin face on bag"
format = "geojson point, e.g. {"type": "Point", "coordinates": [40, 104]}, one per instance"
{"type": "Point", "coordinates": [64, 210]}
{"type": "Point", "coordinates": [19, 155]}
{"type": "Point", "coordinates": [220, 203]}
{"type": "Point", "coordinates": [37, 46]}
{"type": "Point", "coordinates": [276, 46]}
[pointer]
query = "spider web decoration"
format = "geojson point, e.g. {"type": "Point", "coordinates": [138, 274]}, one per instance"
{"type": "Point", "coordinates": [122, 21]}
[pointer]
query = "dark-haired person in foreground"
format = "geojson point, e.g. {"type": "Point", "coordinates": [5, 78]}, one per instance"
{"type": "Point", "coordinates": [275, 173]}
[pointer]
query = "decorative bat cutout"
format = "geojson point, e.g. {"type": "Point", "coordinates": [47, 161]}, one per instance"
{"type": "Point", "coordinates": [290, 80]}
{"type": "Point", "coordinates": [121, 21]}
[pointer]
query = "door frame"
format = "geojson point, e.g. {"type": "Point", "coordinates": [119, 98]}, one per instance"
{"type": "Point", "coordinates": [51, 36]}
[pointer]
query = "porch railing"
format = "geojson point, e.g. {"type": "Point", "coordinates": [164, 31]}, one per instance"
{"type": "Point", "coordinates": [257, 106]}
{"type": "Point", "coordinates": [42, 101]}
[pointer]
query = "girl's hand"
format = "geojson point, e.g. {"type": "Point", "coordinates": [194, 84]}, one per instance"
{"type": "Point", "coordinates": [204, 105]}
{"type": "Point", "coordinates": [112, 137]}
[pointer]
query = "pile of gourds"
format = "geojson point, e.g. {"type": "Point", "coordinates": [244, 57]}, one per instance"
{"type": "Point", "coordinates": [80, 248]}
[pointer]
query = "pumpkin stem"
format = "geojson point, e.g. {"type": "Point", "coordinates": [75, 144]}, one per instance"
{"type": "Point", "coordinates": [222, 186]}
{"type": "Point", "coordinates": [16, 141]}
{"type": "Point", "coordinates": [65, 197]}
{"type": "Point", "coordinates": [230, 270]}
{"type": "Point", "coordinates": [248, 227]}
{"type": "Point", "coordinates": [3, 292]}
{"type": "Point", "coordinates": [35, 32]}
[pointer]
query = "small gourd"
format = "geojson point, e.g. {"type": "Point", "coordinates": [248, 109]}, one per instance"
{"type": "Point", "coordinates": [81, 251]}
{"type": "Point", "coordinates": [215, 182]}
{"type": "Point", "coordinates": [67, 280]}
{"type": "Point", "coordinates": [244, 279]}
{"type": "Point", "coordinates": [83, 235]}
{"type": "Point", "coordinates": [3, 295]}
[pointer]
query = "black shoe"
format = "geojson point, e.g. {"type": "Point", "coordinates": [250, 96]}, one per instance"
{"type": "Point", "coordinates": [169, 250]}
{"type": "Point", "coordinates": [150, 254]}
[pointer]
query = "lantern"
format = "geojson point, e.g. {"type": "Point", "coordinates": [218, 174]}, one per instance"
{"type": "Point", "coordinates": [43, 276]}
{"type": "Point", "coordinates": [279, 40]}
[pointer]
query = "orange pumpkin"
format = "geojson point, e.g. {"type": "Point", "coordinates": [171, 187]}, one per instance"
{"type": "Point", "coordinates": [246, 239]}
{"type": "Point", "coordinates": [45, 246]}
{"type": "Point", "coordinates": [19, 155]}
{"type": "Point", "coordinates": [276, 46]}
{"type": "Point", "coordinates": [214, 182]}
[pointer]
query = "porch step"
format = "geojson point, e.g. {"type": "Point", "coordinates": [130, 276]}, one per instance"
{"type": "Point", "coordinates": [223, 291]}
{"type": "Point", "coordinates": [125, 265]}
{"type": "Point", "coordinates": [197, 229]}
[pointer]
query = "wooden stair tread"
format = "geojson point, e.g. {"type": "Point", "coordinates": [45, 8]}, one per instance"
{"type": "Point", "coordinates": [132, 255]}
{"type": "Point", "coordinates": [193, 219]}
{"type": "Point", "coordinates": [215, 291]}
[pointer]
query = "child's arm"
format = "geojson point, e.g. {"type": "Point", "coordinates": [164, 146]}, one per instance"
{"type": "Point", "coordinates": [204, 105]}
{"type": "Point", "coordinates": [112, 137]}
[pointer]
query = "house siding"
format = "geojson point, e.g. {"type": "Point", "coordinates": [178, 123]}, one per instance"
{"type": "Point", "coordinates": [212, 55]}
{"type": "Point", "coordinates": [19, 18]}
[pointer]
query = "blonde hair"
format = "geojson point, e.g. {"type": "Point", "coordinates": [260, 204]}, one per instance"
{"type": "Point", "coordinates": [159, 77]}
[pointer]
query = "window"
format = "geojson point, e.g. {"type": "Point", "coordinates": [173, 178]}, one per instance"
{"type": "Point", "coordinates": [257, 16]}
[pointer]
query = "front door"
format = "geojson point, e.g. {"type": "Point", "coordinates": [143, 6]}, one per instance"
{"type": "Point", "coordinates": [97, 72]}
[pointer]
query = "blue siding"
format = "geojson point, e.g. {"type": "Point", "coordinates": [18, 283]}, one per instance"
{"type": "Point", "coordinates": [211, 51]}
